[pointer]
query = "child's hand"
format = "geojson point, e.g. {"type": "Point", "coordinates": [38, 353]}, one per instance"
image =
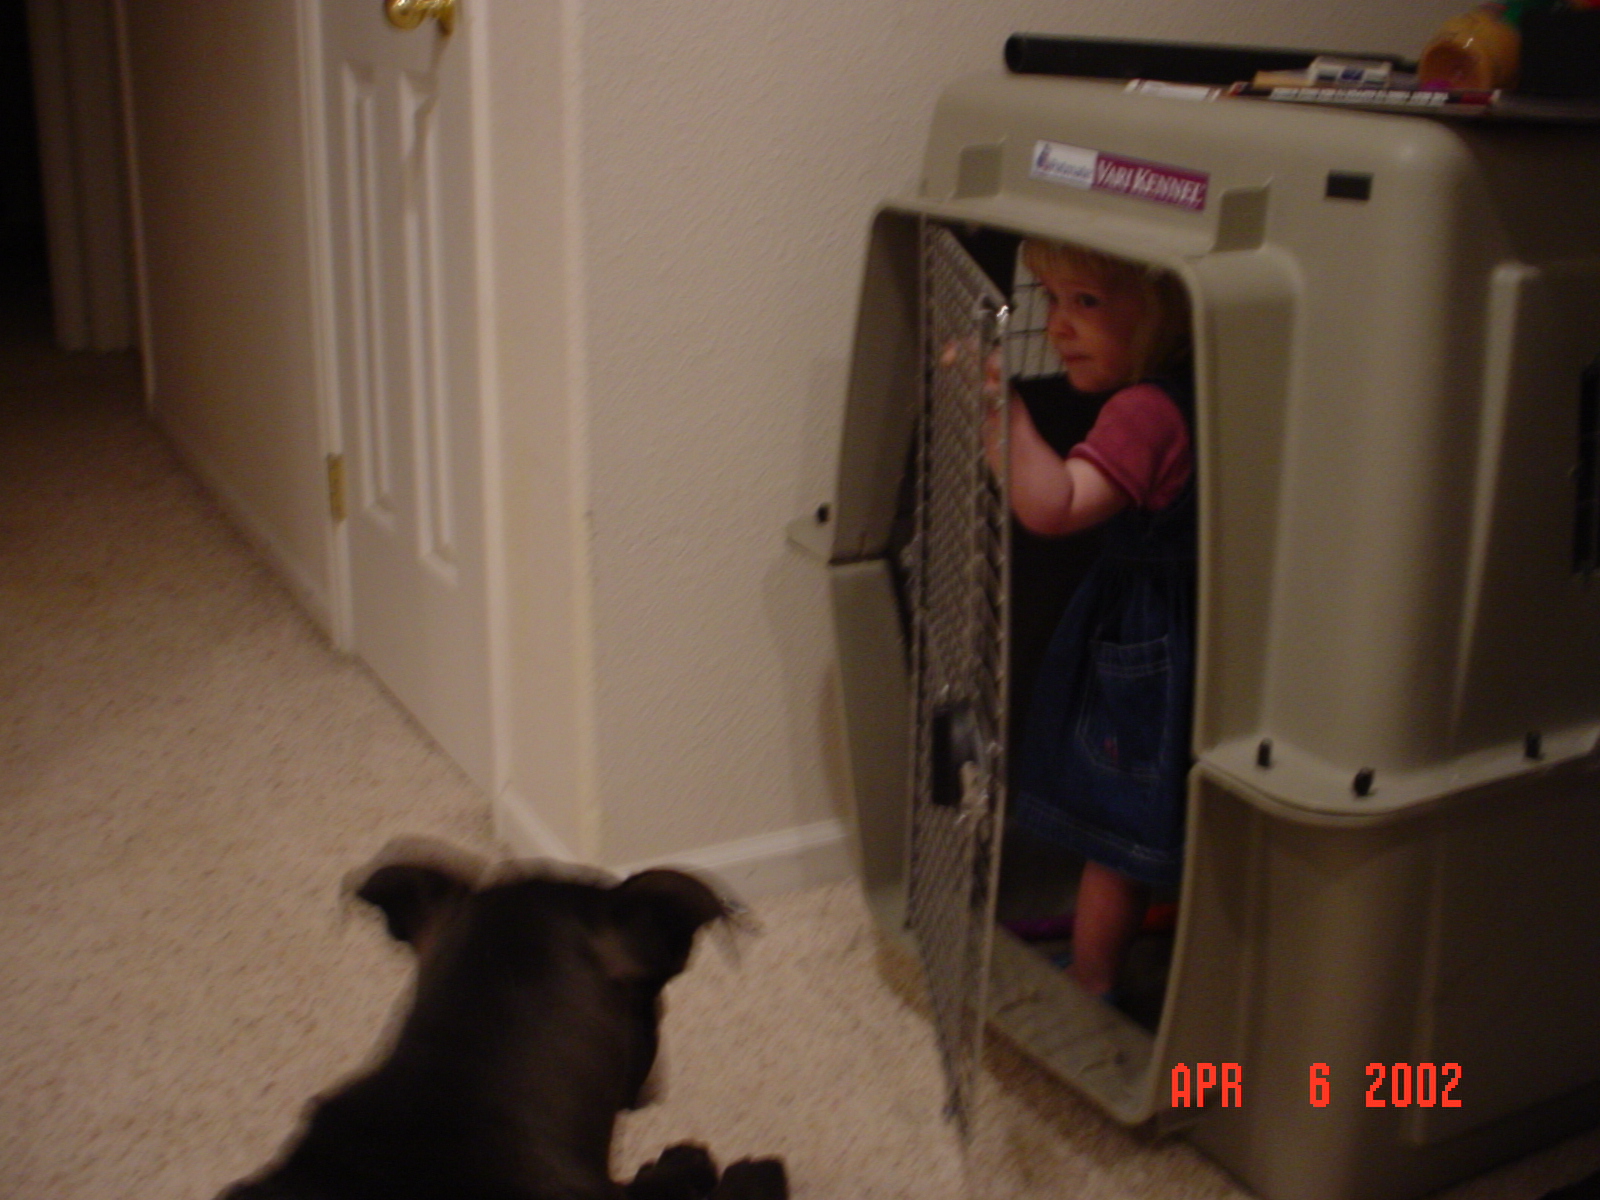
{"type": "Point", "coordinates": [998, 401]}
{"type": "Point", "coordinates": [994, 388]}
{"type": "Point", "coordinates": [958, 355]}
{"type": "Point", "coordinates": [991, 441]}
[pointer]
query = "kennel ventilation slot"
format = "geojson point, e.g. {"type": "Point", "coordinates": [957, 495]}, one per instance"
{"type": "Point", "coordinates": [1586, 521]}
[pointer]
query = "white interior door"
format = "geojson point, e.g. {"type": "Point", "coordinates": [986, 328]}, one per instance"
{"type": "Point", "coordinates": [398, 105]}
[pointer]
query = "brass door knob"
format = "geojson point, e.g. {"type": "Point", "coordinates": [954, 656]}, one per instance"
{"type": "Point", "coordinates": [408, 14]}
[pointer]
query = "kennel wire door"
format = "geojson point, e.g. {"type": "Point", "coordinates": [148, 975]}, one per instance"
{"type": "Point", "coordinates": [960, 583]}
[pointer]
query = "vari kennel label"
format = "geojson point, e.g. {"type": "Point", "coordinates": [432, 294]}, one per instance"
{"type": "Point", "coordinates": [1095, 170]}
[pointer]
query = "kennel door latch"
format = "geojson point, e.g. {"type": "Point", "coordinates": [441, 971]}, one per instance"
{"type": "Point", "coordinates": [974, 793]}
{"type": "Point", "coordinates": [960, 770]}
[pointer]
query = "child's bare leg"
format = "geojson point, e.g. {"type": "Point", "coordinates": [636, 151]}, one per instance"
{"type": "Point", "coordinates": [1110, 908]}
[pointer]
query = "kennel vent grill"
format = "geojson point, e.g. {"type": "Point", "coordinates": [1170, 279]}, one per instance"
{"type": "Point", "coordinates": [960, 582]}
{"type": "Point", "coordinates": [1586, 522]}
{"type": "Point", "coordinates": [1029, 354]}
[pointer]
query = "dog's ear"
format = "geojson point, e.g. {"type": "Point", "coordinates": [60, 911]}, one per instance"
{"type": "Point", "coordinates": [652, 918]}
{"type": "Point", "coordinates": [411, 896]}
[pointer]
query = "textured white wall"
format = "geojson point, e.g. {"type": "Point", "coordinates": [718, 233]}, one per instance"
{"type": "Point", "coordinates": [682, 191]}
{"type": "Point", "coordinates": [731, 154]}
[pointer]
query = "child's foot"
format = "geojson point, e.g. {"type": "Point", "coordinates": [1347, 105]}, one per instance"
{"type": "Point", "coordinates": [1063, 961]}
{"type": "Point", "coordinates": [1158, 918]}
{"type": "Point", "coordinates": [1054, 928]}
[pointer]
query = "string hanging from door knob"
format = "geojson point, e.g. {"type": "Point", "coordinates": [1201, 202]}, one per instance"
{"type": "Point", "coordinates": [408, 14]}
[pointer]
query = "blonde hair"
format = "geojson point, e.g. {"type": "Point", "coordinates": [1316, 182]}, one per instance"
{"type": "Point", "coordinates": [1163, 340]}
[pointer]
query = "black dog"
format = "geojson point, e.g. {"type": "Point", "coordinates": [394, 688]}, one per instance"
{"type": "Point", "coordinates": [533, 1024]}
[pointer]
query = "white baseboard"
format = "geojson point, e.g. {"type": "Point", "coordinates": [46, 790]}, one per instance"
{"type": "Point", "coordinates": [524, 833]}
{"type": "Point", "coordinates": [769, 864]}
{"type": "Point", "coordinates": [311, 593]}
{"type": "Point", "coordinates": [751, 868]}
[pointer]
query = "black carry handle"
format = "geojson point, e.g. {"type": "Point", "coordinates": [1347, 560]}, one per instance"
{"type": "Point", "coordinates": [1174, 62]}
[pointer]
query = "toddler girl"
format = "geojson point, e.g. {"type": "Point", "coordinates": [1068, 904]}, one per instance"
{"type": "Point", "coordinates": [1106, 745]}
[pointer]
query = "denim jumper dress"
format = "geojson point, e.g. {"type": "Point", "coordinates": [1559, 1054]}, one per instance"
{"type": "Point", "coordinates": [1105, 752]}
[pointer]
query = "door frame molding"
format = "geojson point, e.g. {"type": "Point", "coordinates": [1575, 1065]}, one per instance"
{"type": "Point", "coordinates": [496, 590]}
{"type": "Point", "coordinates": [324, 302]}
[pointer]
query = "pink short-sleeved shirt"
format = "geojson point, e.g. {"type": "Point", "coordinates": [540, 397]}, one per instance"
{"type": "Point", "coordinates": [1141, 443]}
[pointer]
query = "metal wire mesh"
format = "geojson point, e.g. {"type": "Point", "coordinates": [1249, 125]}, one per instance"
{"type": "Point", "coordinates": [960, 583]}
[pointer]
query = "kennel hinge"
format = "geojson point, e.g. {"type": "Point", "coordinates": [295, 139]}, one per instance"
{"type": "Point", "coordinates": [336, 486]}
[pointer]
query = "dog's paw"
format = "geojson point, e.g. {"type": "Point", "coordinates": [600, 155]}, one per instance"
{"type": "Point", "coordinates": [682, 1172]}
{"type": "Point", "coordinates": [753, 1179]}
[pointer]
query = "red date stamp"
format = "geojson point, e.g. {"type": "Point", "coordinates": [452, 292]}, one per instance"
{"type": "Point", "coordinates": [1392, 1085]}
{"type": "Point", "coordinates": [1397, 1085]}
{"type": "Point", "coordinates": [1190, 1087]}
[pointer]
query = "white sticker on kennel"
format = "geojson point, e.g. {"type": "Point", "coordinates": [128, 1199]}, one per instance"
{"type": "Point", "coordinates": [1097, 170]}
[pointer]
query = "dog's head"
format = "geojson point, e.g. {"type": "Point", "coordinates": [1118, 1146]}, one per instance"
{"type": "Point", "coordinates": [542, 978]}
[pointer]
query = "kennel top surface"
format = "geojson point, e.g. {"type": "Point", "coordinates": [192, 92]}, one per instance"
{"type": "Point", "coordinates": [1210, 158]}
{"type": "Point", "coordinates": [1391, 337]}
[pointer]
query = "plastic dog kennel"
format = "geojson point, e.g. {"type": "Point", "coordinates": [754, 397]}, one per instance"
{"type": "Point", "coordinates": [1388, 927]}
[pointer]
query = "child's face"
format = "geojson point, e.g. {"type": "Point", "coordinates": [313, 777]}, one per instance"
{"type": "Point", "coordinates": [1092, 325]}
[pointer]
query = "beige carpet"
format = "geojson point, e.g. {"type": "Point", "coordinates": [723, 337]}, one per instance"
{"type": "Point", "coordinates": [187, 770]}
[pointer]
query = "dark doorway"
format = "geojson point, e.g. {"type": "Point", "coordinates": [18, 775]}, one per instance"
{"type": "Point", "coordinates": [24, 265]}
